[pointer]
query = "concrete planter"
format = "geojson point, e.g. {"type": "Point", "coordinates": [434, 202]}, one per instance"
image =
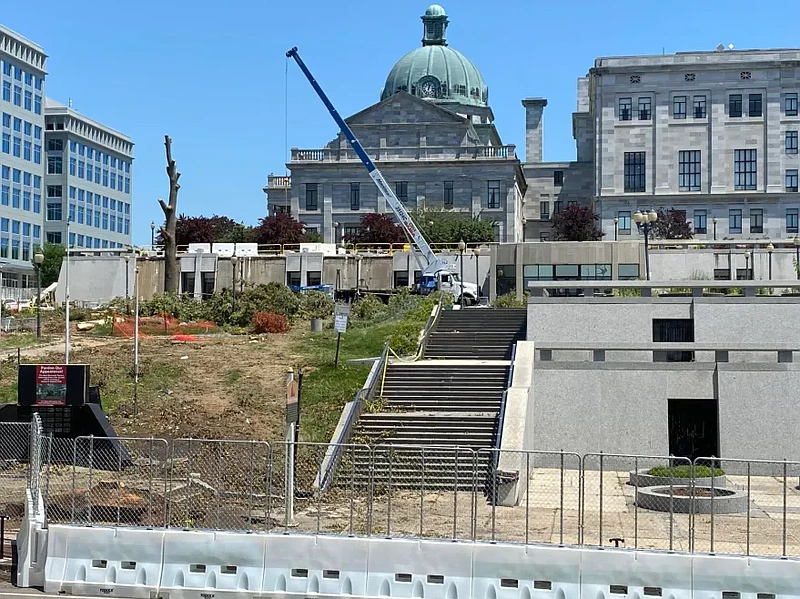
{"type": "Point", "coordinates": [681, 501]}
{"type": "Point", "coordinates": [316, 325]}
{"type": "Point", "coordinates": [640, 478]}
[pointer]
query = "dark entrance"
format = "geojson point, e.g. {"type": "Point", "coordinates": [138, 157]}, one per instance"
{"type": "Point", "coordinates": [693, 429]}
{"type": "Point", "coordinates": [673, 330]}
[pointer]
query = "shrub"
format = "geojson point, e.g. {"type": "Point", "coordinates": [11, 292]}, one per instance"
{"type": "Point", "coordinates": [315, 304]}
{"type": "Point", "coordinates": [510, 300]}
{"type": "Point", "coordinates": [684, 471]}
{"type": "Point", "coordinates": [403, 301]}
{"type": "Point", "coordinates": [272, 297]}
{"type": "Point", "coordinates": [368, 308]}
{"type": "Point", "coordinates": [404, 339]}
{"type": "Point", "coordinates": [269, 322]}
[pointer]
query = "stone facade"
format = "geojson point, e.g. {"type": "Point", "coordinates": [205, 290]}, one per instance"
{"type": "Point", "coordinates": [433, 157]}
{"type": "Point", "coordinates": [719, 106]}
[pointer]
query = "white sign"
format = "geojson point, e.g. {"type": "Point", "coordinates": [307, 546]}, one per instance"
{"type": "Point", "coordinates": [341, 315]}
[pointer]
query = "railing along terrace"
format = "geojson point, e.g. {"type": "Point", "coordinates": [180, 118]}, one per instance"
{"type": "Point", "coordinates": [781, 353]}
{"type": "Point", "coordinates": [508, 152]}
{"type": "Point", "coordinates": [693, 287]}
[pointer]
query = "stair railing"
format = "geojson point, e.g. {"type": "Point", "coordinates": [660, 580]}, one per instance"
{"type": "Point", "coordinates": [501, 416]}
{"type": "Point", "coordinates": [424, 335]}
{"type": "Point", "coordinates": [356, 407]}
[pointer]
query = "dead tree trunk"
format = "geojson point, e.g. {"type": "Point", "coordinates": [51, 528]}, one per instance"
{"type": "Point", "coordinates": [171, 219]}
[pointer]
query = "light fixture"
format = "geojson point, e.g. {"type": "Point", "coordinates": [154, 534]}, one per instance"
{"type": "Point", "coordinates": [770, 247]}
{"type": "Point", "coordinates": [38, 258]}
{"type": "Point", "coordinates": [462, 246]}
{"type": "Point", "coordinates": [616, 220]}
{"type": "Point", "coordinates": [652, 216]}
{"type": "Point", "coordinates": [747, 254]}
{"type": "Point", "coordinates": [638, 217]}
{"type": "Point", "coordinates": [796, 241]}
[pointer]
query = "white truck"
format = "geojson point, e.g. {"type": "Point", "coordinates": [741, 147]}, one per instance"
{"type": "Point", "coordinates": [436, 273]}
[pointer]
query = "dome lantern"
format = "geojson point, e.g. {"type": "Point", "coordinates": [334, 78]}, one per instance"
{"type": "Point", "coordinates": [435, 23]}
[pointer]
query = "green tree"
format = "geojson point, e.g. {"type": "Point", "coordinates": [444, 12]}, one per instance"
{"type": "Point", "coordinates": [51, 266]}
{"type": "Point", "coordinates": [450, 226]}
{"type": "Point", "coordinates": [672, 224]}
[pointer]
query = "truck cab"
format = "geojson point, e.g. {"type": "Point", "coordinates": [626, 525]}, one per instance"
{"type": "Point", "coordinates": [449, 282]}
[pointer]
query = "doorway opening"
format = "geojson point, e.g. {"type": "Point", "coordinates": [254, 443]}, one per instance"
{"type": "Point", "coordinates": [693, 428]}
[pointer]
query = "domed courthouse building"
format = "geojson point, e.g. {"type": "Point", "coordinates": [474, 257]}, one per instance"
{"type": "Point", "coordinates": [433, 137]}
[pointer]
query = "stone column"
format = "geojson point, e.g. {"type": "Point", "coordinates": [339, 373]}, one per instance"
{"type": "Point", "coordinates": [534, 129]}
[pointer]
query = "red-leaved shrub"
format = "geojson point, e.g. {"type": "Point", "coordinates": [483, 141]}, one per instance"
{"type": "Point", "coordinates": [269, 322]}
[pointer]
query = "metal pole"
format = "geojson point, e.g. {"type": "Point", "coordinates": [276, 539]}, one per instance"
{"type": "Point", "coordinates": [38, 301]}
{"type": "Point", "coordinates": [647, 250]}
{"type": "Point", "coordinates": [66, 301]}
{"type": "Point", "coordinates": [136, 341]}
{"type": "Point", "coordinates": [289, 475]}
{"type": "Point", "coordinates": [797, 260]}
{"type": "Point", "coordinates": [770, 267]}
{"type": "Point", "coordinates": [338, 343]}
{"type": "Point", "coordinates": [478, 280]}
{"type": "Point", "coordinates": [461, 264]}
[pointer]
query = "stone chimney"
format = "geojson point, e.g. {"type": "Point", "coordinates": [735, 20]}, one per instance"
{"type": "Point", "coordinates": [534, 129]}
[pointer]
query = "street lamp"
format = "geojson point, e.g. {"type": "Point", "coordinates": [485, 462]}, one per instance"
{"type": "Point", "coordinates": [796, 242]}
{"type": "Point", "coordinates": [477, 252]}
{"type": "Point", "coordinates": [461, 247]}
{"type": "Point", "coordinates": [770, 249]}
{"type": "Point", "coordinates": [38, 258]}
{"type": "Point", "coordinates": [359, 257]}
{"type": "Point", "coordinates": [152, 235]}
{"type": "Point", "coordinates": [644, 221]}
{"type": "Point", "coordinates": [714, 222]}
{"type": "Point", "coordinates": [747, 265]}
{"type": "Point", "coordinates": [127, 283]}
{"type": "Point", "coordinates": [336, 232]}
{"type": "Point", "coordinates": [234, 260]}
{"type": "Point", "coordinates": [616, 228]}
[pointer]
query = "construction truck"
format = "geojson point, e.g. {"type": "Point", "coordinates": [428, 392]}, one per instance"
{"type": "Point", "coordinates": [436, 273]}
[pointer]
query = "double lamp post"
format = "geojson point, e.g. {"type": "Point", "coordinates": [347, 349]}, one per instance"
{"type": "Point", "coordinates": [645, 221]}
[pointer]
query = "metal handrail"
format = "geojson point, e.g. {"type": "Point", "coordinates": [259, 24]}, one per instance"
{"type": "Point", "coordinates": [502, 414]}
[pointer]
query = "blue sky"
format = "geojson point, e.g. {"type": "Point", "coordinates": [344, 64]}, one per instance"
{"type": "Point", "coordinates": [213, 74]}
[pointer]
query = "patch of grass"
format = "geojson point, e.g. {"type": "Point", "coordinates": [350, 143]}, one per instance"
{"type": "Point", "coordinates": [233, 375]}
{"type": "Point", "coordinates": [21, 340]}
{"type": "Point", "coordinates": [684, 471]}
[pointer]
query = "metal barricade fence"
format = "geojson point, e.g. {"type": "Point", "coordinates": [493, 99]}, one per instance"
{"type": "Point", "coordinates": [35, 459]}
{"type": "Point", "coordinates": [748, 507]}
{"type": "Point", "coordinates": [15, 470]}
{"type": "Point", "coordinates": [641, 502]}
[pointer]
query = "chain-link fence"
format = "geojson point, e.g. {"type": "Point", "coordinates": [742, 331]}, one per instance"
{"type": "Point", "coordinates": [643, 502]}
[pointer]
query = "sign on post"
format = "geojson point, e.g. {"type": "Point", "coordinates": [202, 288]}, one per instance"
{"type": "Point", "coordinates": [292, 395]}
{"type": "Point", "coordinates": [341, 314]}
{"type": "Point", "coordinates": [51, 385]}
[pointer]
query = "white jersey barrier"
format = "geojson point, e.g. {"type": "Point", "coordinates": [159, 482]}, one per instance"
{"type": "Point", "coordinates": [175, 564]}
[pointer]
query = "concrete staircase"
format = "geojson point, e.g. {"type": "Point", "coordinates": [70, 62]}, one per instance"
{"type": "Point", "coordinates": [436, 422]}
{"type": "Point", "coordinates": [478, 333]}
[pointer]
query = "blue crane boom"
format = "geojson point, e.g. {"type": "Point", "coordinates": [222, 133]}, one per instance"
{"type": "Point", "coordinates": [433, 264]}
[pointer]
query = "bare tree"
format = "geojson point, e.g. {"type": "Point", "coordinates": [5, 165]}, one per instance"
{"type": "Point", "coordinates": [168, 231]}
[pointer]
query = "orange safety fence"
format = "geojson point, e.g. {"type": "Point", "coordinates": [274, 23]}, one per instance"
{"type": "Point", "coordinates": [161, 325]}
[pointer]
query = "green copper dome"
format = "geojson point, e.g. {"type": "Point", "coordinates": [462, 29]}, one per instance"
{"type": "Point", "coordinates": [435, 71]}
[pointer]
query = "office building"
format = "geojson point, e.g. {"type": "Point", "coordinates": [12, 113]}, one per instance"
{"type": "Point", "coordinates": [87, 179]}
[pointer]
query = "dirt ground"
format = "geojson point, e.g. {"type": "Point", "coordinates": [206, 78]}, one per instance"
{"type": "Point", "coordinates": [222, 386]}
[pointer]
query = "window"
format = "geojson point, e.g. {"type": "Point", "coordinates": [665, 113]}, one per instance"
{"type": "Point", "coordinates": [53, 211]}
{"type": "Point", "coordinates": [791, 220]}
{"type": "Point", "coordinates": [644, 109]}
{"type": "Point", "coordinates": [754, 105]}
{"type": "Point", "coordinates": [6, 143]}
{"type": "Point", "coordinates": [37, 203]}
{"type": "Point", "coordinates": [37, 153]}
{"type": "Point", "coordinates": [54, 191]}
{"type": "Point", "coordinates": [544, 210]}
{"type": "Point", "coordinates": [699, 107]}
{"type": "Point", "coordinates": [4, 195]}
{"type": "Point", "coordinates": [791, 142]}
{"type": "Point", "coordinates": [355, 196]}
{"type": "Point", "coordinates": [756, 221]}
{"type": "Point", "coordinates": [6, 172]}
{"type": "Point", "coordinates": [17, 125]}
{"type": "Point", "coordinates": [37, 132]}
{"type": "Point", "coordinates": [624, 221]}
{"type": "Point", "coordinates": [105, 221]}
{"type": "Point", "coordinates": [790, 104]}
{"type": "Point", "coordinates": [26, 200]}
{"type": "Point", "coordinates": [735, 105]}
{"type": "Point", "coordinates": [700, 222]}
{"type": "Point", "coordinates": [54, 165]}
{"type": "Point", "coordinates": [494, 194]}
{"type": "Point", "coordinates": [28, 128]}
{"type": "Point", "coordinates": [448, 193]}
{"type": "Point", "coordinates": [572, 203]}
{"type": "Point", "coordinates": [97, 218]}
{"type": "Point", "coordinates": [679, 107]}
{"type": "Point", "coordinates": [557, 206]}
{"type": "Point", "coordinates": [744, 162]}
{"type": "Point", "coordinates": [37, 182]}
{"type": "Point", "coordinates": [15, 198]}
{"type": "Point", "coordinates": [6, 91]}
{"type": "Point", "coordinates": [72, 213]}
{"type": "Point", "coordinates": [97, 175]}
{"type": "Point", "coordinates": [735, 221]}
{"type": "Point", "coordinates": [72, 163]}
{"type": "Point", "coordinates": [18, 73]}
{"type": "Point", "coordinates": [37, 104]}
{"type": "Point", "coordinates": [689, 170]}
{"type": "Point", "coordinates": [791, 179]}
{"type": "Point", "coordinates": [7, 68]}
{"type": "Point", "coordinates": [112, 223]}
{"type": "Point", "coordinates": [16, 175]}
{"type": "Point", "coordinates": [73, 192]}
{"type": "Point", "coordinates": [625, 105]}
{"type": "Point", "coordinates": [311, 194]}
{"type": "Point", "coordinates": [26, 150]}
{"type": "Point", "coordinates": [401, 190]}
{"type": "Point", "coordinates": [17, 147]}
{"type": "Point", "coordinates": [55, 145]}
{"type": "Point", "coordinates": [634, 172]}
{"type": "Point", "coordinates": [6, 120]}
{"type": "Point", "coordinates": [558, 178]}
{"type": "Point", "coordinates": [28, 99]}
{"type": "Point", "coordinates": [37, 231]}
{"type": "Point", "coordinates": [17, 95]}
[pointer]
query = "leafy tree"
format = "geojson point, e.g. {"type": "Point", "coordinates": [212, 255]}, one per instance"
{"type": "Point", "coordinates": [378, 229]}
{"type": "Point", "coordinates": [203, 229]}
{"type": "Point", "coordinates": [576, 223]}
{"type": "Point", "coordinates": [51, 266]}
{"type": "Point", "coordinates": [671, 224]}
{"type": "Point", "coordinates": [279, 229]}
{"type": "Point", "coordinates": [450, 226]}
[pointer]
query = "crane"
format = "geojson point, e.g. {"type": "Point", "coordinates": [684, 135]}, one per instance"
{"type": "Point", "coordinates": [433, 264]}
